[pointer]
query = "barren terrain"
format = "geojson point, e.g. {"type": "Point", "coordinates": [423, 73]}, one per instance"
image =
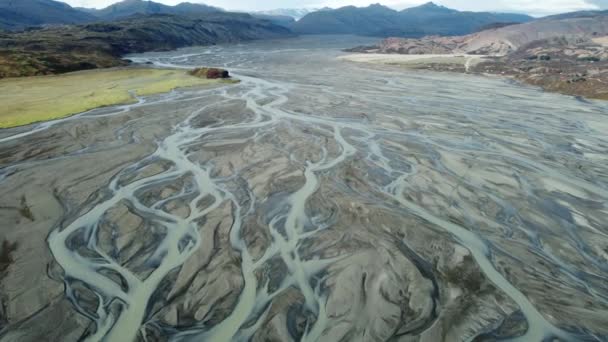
{"type": "Point", "coordinates": [316, 200]}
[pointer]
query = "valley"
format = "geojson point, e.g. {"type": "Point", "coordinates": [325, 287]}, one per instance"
{"type": "Point", "coordinates": [394, 208]}
{"type": "Point", "coordinates": [174, 172]}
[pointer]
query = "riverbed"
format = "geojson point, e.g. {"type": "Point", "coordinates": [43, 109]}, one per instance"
{"type": "Point", "coordinates": [316, 200]}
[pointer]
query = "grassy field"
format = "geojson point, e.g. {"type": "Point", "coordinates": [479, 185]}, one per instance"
{"type": "Point", "coordinates": [31, 99]}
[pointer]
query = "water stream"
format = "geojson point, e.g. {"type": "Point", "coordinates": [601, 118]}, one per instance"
{"type": "Point", "coordinates": [362, 203]}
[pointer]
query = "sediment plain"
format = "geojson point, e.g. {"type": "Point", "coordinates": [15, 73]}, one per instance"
{"type": "Point", "coordinates": [457, 62]}
{"type": "Point", "coordinates": [316, 200]}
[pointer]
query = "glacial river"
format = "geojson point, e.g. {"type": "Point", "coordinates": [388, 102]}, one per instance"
{"type": "Point", "coordinates": [316, 200]}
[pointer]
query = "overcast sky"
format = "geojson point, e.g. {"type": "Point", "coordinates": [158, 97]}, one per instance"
{"type": "Point", "coordinates": [534, 7]}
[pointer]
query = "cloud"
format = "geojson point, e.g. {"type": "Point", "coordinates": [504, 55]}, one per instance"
{"type": "Point", "coordinates": [601, 4]}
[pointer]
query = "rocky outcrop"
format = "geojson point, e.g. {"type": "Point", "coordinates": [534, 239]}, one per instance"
{"type": "Point", "coordinates": [411, 46]}
{"type": "Point", "coordinates": [210, 73]}
{"type": "Point", "coordinates": [569, 66]}
{"type": "Point", "coordinates": [576, 66]}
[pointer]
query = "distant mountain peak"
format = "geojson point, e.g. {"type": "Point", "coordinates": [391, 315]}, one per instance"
{"type": "Point", "coordinates": [378, 7]}
{"type": "Point", "coordinates": [430, 4]}
{"type": "Point", "coordinates": [429, 8]}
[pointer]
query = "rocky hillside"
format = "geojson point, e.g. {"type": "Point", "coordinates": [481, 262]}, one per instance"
{"type": "Point", "coordinates": [69, 48]}
{"type": "Point", "coordinates": [566, 53]}
{"type": "Point", "coordinates": [282, 20]}
{"type": "Point", "coordinates": [378, 20]}
{"type": "Point", "coordinates": [499, 41]}
{"type": "Point", "coordinates": [18, 14]}
{"type": "Point", "coordinates": [576, 66]}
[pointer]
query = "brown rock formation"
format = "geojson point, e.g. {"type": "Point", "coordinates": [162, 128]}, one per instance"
{"type": "Point", "coordinates": [210, 73]}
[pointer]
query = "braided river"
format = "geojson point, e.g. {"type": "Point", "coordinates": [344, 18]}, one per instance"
{"type": "Point", "coordinates": [316, 200]}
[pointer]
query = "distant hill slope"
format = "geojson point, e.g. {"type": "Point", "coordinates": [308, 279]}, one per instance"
{"type": "Point", "coordinates": [127, 8]}
{"type": "Point", "coordinates": [18, 14]}
{"type": "Point", "coordinates": [283, 20]}
{"type": "Point", "coordinates": [98, 45]}
{"type": "Point", "coordinates": [501, 41]}
{"type": "Point", "coordinates": [579, 14]}
{"type": "Point", "coordinates": [510, 38]}
{"type": "Point", "coordinates": [378, 20]}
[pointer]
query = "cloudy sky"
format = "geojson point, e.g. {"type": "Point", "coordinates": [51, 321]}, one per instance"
{"type": "Point", "coordinates": [534, 7]}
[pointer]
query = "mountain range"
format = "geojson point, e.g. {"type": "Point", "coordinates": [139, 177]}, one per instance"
{"type": "Point", "coordinates": [17, 14]}
{"type": "Point", "coordinates": [20, 14]}
{"type": "Point", "coordinates": [378, 20]}
{"type": "Point", "coordinates": [374, 20]}
{"type": "Point", "coordinates": [128, 8]}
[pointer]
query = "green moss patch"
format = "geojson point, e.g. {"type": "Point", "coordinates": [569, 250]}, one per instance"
{"type": "Point", "coordinates": [31, 99]}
